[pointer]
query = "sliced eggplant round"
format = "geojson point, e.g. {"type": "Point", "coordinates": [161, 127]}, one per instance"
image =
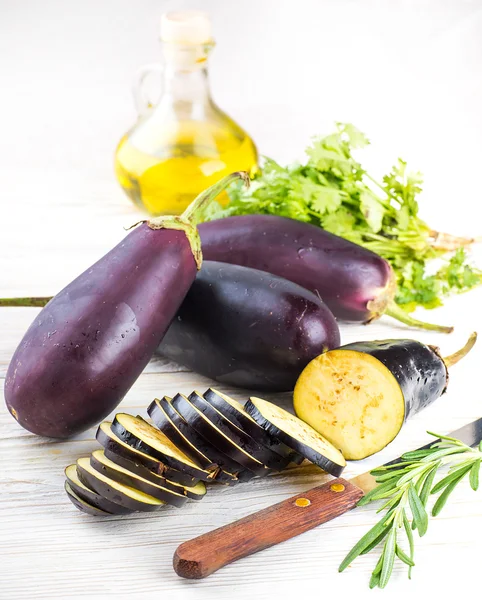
{"type": "Point", "coordinates": [89, 495]}
{"type": "Point", "coordinates": [140, 470]}
{"type": "Point", "coordinates": [101, 463]}
{"type": "Point", "coordinates": [227, 464]}
{"type": "Point", "coordinates": [200, 422]}
{"type": "Point", "coordinates": [234, 411]}
{"type": "Point", "coordinates": [84, 506]}
{"type": "Point", "coordinates": [297, 434]}
{"type": "Point", "coordinates": [116, 450]}
{"type": "Point", "coordinates": [196, 492]}
{"type": "Point", "coordinates": [142, 436]}
{"type": "Point", "coordinates": [114, 491]}
{"type": "Point", "coordinates": [160, 412]}
{"type": "Point", "coordinates": [163, 422]}
{"type": "Point", "coordinates": [238, 436]}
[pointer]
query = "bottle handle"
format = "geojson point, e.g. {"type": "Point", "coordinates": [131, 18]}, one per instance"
{"type": "Point", "coordinates": [142, 101]}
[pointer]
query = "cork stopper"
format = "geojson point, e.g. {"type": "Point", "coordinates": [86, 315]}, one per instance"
{"type": "Point", "coordinates": [186, 27]}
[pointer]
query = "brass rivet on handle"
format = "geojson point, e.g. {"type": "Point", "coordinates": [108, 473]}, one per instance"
{"type": "Point", "coordinates": [302, 502]}
{"type": "Point", "coordinates": [337, 487]}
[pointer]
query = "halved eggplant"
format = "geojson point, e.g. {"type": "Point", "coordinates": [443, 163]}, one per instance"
{"type": "Point", "coordinates": [101, 463]}
{"type": "Point", "coordinates": [114, 491]}
{"type": "Point", "coordinates": [200, 422]}
{"type": "Point", "coordinates": [360, 395]}
{"type": "Point", "coordinates": [297, 434]}
{"type": "Point", "coordinates": [234, 411]}
{"type": "Point", "coordinates": [115, 447]}
{"type": "Point", "coordinates": [89, 495]}
{"type": "Point", "coordinates": [161, 412]}
{"type": "Point", "coordinates": [238, 436]}
{"type": "Point", "coordinates": [139, 434]}
{"type": "Point", "coordinates": [84, 506]}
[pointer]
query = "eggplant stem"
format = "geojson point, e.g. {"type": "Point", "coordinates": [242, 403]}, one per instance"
{"type": "Point", "coordinates": [394, 311]}
{"type": "Point", "coordinates": [454, 358]}
{"type": "Point", "coordinates": [29, 301]}
{"type": "Point", "coordinates": [195, 210]}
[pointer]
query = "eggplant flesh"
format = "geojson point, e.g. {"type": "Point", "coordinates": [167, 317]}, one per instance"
{"type": "Point", "coordinates": [359, 395]}
{"type": "Point", "coordinates": [248, 328]}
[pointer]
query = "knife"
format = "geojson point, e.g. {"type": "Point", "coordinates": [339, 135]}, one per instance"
{"type": "Point", "coordinates": [207, 553]}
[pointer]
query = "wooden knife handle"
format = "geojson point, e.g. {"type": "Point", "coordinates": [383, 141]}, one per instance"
{"type": "Point", "coordinates": [207, 553]}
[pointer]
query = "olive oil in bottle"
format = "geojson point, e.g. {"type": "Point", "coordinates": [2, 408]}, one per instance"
{"type": "Point", "coordinates": [184, 143]}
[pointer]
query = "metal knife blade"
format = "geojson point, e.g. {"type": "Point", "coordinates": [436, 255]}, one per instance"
{"type": "Point", "coordinates": [470, 434]}
{"type": "Point", "coordinates": [198, 558]}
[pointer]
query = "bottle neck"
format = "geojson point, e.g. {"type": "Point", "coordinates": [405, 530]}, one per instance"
{"type": "Point", "coordinates": [186, 72]}
{"type": "Point", "coordinates": [186, 85]}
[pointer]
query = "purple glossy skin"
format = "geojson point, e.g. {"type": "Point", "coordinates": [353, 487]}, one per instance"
{"type": "Point", "coordinates": [92, 340]}
{"type": "Point", "coordinates": [248, 328]}
{"type": "Point", "coordinates": [345, 275]}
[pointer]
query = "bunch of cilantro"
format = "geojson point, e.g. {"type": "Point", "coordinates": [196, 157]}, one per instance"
{"type": "Point", "coordinates": [333, 191]}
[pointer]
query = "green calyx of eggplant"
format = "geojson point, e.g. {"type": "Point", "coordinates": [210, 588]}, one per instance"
{"type": "Point", "coordinates": [384, 304]}
{"type": "Point", "coordinates": [193, 214]}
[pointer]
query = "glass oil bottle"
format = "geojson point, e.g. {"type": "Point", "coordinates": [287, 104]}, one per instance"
{"type": "Point", "coordinates": [184, 143]}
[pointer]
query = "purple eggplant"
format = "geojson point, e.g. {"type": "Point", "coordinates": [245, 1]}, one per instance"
{"type": "Point", "coordinates": [356, 284]}
{"type": "Point", "coordinates": [249, 328]}
{"type": "Point", "coordinates": [91, 342]}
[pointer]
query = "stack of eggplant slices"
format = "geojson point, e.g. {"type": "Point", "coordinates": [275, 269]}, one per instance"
{"type": "Point", "coordinates": [191, 441]}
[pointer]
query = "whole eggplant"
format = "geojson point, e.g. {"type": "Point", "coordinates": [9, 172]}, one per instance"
{"type": "Point", "coordinates": [90, 343]}
{"type": "Point", "coordinates": [248, 328]}
{"type": "Point", "coordinates": [356, 284]}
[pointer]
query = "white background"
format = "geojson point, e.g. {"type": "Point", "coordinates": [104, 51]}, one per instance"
{"type": "Point", "coordinates": [408, 73]}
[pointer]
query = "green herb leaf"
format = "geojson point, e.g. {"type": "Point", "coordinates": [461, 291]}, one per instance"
{"type": "Point", "coordinates": [388, 557]}
{"type": "Point", "coordinates": [419, 513]}
{"type": "Point", "coordinates": [474, 475]}
{"type": "Point", "coordinates": [371, 210]}
{"type": "Point", "coordinates": [403, 557]}
{"type": "Point", "coordinates": [456, 475]}
{"type": "Point", "coordinates": [427, 484]}
{"type": "Point", "coordinates": [375, 578]}
{"type": "Point", "coordinates": [442, 499]}
{"type": "Point", "coordinates": [364, 542]}
{"type": "Point", "coordinates": [409, 533]}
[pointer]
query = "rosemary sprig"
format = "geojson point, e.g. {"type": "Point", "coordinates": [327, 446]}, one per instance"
{"type": "Point", "coordinates": [405, 487]}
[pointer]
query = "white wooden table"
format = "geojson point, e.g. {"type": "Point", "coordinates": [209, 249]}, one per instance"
{"type": "Point", "coordinates": [61, 210]}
